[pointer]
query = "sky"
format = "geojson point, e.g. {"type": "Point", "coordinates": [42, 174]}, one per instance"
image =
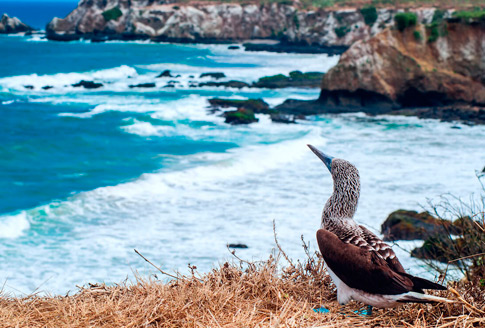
{"type": "Point", "coordinates": [37, 13]}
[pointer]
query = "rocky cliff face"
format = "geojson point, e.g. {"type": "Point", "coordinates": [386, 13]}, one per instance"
{"type": "Point", "coordinates": [13, 25]}
{"type": "Point", "coordinates": [218, 22]}
{"type": "Point", "coordinates": [406, 69]}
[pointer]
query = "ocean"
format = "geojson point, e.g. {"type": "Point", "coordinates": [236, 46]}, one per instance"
{"type": "Point", "coordinates": [87, 176]}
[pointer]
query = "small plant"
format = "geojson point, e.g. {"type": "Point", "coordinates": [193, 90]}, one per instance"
{"type": "Point", "coordinates": [112, 14]}
{"type": "Point", "coordinates": [370, 15]}
{"type": "Point", "coordinates": [296, 21]}
{"type": "Point", "coordinates": [436, 30]}
{"type": "Point", "coordinates": [341, 31]}
{"type": "Point", "coordinates": [417, 36]}
{"type": "Point", "coordinates": [405, 20]}
{"type": "Point", "coordinates": [466, 250]}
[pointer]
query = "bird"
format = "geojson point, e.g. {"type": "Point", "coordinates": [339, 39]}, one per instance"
{"type": "Point", "coordinates": [361, 265]}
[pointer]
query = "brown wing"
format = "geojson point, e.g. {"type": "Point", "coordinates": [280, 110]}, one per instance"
{"type": "Point", "coordinates": [383, 249]}
{"type": "Point", "coordinates": [359, 267]}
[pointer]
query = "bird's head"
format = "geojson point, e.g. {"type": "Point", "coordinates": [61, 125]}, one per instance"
{"type": "Point", "coordinates": [346, 186]}
{"type": "Point", "coordinates": [340, 169]}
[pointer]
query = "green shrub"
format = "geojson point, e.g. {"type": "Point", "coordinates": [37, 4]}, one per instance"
{"type": "Point", "coordinates": [296, 21]}
{"type": "Point", "coordinates": [438, 16]}
{"type": "Point", "coordinates": [417, 36]}
{"type": "Point", "coordinates": [341, 31]}
{"type": "Point", "coordinates": [322, 3]}
{"type": "Point", "coordinates": [470, 16]}
{"type": "Point", "coordinates": [273, 78]}
{"type": "Point", "coordinates": [112, 14]}
{"type": "Point", "coordinates": [436, 30]}
{"type": "Point", "coordinates": [370, 15]}
{"type": "Point", "coordinates": [405, 20]}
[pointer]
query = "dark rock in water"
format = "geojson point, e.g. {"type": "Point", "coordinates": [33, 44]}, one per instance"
{"type": "Point", "coordinates": [165, 73]}
{"type": "Point", "coordinates": [433, 249]}
{"type": "Point", "coordinates": [215, 75]}
{"type": "Point", "coordinates": [169, 86]}
{"type": "Point", "coordinates": [193, 86]}
{"type": "Point", "coordinates": [282, 118]}
{"type": "Point", "coordinates": [237, 246]}
{"type": "Point", "coordinates": [453, 113]}
{"type": "Point", "coordinates": [233, 47]}
{"type": "Point", "coordinates": [229, 84]}
{"type": "Point", "coordinates": [300, 48]}
{"type": "Point", "coordinates": [88, 84]}
{"type": "Point", "coordinates": [296, 79]}
{"type": "Point", "coordinates": [254, 105]}
{"type": "Point", "coordinates": [483, 171]}
{"type": "Point", "coordinates": [173, 82]}
{"type": "Point", "coordinates": [411, 225]}
{"type": "Point", "coordinates": [191, 76]}
{"type": "Point", "coordinates": [47, 87]}
{"type": "Point", "coordinates": [301, 107]}
{"type": "Point", "coordinates": [240, 116]}
{"type": "Point", "coordinates": [143, 85]}
{"type": "Point", "coordinates": [30, 87]}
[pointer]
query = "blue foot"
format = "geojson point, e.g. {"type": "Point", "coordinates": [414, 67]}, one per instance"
{"type": "Point", "coordinates": [321, 310]}
{"type": "Point", "coordinates": [364, 312]}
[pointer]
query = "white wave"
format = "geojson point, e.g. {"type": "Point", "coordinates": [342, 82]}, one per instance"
{"type": "Point", "coordinates": [13, 226]}
{"type": "Point", "coordinates": [8, 102]}
{"type": "Point", "coordinates": [65, 80]}
{"type": "Point", "coordinates": [146, 129]}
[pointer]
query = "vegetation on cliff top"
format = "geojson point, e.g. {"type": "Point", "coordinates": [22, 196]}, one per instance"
{"type": "Point", "coordinates": [368, 3]}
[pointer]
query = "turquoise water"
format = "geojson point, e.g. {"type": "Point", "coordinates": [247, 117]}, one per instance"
{"type": "Point", "coordinates": [86, 176]}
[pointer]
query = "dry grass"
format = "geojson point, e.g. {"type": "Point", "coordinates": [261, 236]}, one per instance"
{"type": "Point", "coordinates": [240, 294]}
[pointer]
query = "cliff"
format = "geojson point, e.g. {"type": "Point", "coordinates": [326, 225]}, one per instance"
{"type": "Point", "coordinates": [220, 22]}
{"type": "Point", "coordinates": [13, 25]}
{"type": "Point", "coordinates": [421, 66]}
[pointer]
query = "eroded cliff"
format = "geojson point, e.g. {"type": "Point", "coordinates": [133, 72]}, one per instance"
{"type": "Point", "coordinates": [220, 22]}
{"type": "Point", "coordinates": [412, 68]}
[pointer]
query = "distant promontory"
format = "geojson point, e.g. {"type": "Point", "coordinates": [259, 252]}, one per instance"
{"type": "Point", "coordinates": [13, 25]}
{"type": "Point", "coordinates": [332, 30]}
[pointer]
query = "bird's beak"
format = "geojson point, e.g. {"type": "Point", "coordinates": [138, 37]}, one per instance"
{"type": "Point", "coordinates": [325, 158]}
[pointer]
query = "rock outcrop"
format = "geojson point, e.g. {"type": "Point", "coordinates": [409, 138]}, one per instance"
{"type": "Point", "coordinates": [13, 25]}
{"type": "Point", "coordinates": [411, 69]}
{"type": "Point", "coordinates": [164, 20]}
{"type": "Point", "coordinates": [411, 225]}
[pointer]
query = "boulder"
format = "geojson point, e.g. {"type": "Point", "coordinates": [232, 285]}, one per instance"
{"type": "Point", "coordinates": [296, 79]}
{"type": "Point", "coordinates": [228, 84]}
{"type": "Point", "coordinates": [215, 75]}
{"type": "Point", "coordinates": [282, 118]}
{"type": "Point", "coordinates": [240, 116]}
{"type": "Point", "coordinates": [165, 73]}
{"type": "Point", "coordinates": [411, 225]}
{"type": "Point", "coordinates": [254, 105]}
{"type": "Point", "coordinates": [237, 246]}
{"type": "Point", "coordinates": [13, 25]}
{"type": "Point", "coordinates": [143, 85]}
{"type": "Point", "coordinates": [88, 84]}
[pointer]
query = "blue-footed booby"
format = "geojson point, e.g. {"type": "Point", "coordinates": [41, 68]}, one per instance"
{"type": "Point", "coordinates": [361, 265]}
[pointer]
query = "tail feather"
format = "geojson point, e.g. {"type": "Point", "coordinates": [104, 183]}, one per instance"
{"type": "Point", "coordinates": [420, 284]}
{"type": "Point", "coordinates": [414, 297]}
